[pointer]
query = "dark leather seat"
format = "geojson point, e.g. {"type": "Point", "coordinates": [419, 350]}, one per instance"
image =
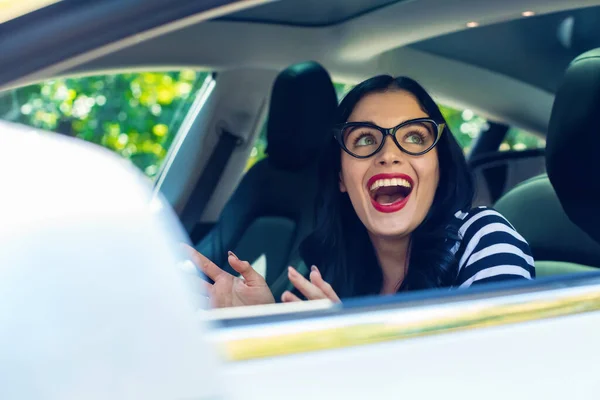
{"type": "Point", "coordinates": [559, 214]}
{"type": "Point", "coordinates": [572, 158]}
{"type": "Point", "coordinates": [272, 209]}
{"type": "Point", "coordinates": [558, 245]}
{"type": "Point", "coordinates": [498, 172]}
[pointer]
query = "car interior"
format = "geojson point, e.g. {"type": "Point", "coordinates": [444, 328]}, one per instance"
{"type": "Point", "coordinates": [274, 73]}
{"type": "Point", "coordinates": [271, 222]}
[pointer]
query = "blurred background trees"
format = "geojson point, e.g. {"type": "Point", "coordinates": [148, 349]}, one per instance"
{"type": "Point", "coordinates": [135, 114]}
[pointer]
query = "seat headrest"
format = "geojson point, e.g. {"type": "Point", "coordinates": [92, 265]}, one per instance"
{"type": "Point", "coordinates": [303, 103]}
{"type": "Point", "coordinates": [572, 159]}
{"type": "Point", "coordinates": [536, 213]}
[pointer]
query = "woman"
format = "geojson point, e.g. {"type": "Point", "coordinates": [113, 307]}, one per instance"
{"type": "Point", "coordinates": [394, 212]}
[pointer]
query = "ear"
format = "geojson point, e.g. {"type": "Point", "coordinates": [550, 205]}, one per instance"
{"type": "Point", "coordinates": [342, 184]}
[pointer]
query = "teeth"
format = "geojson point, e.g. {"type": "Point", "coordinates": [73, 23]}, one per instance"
{"type": "Point", "coordinates": [390, 182]}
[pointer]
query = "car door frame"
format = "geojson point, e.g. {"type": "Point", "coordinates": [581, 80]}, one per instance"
{"type": "Point", "coordinates": [48, 41]}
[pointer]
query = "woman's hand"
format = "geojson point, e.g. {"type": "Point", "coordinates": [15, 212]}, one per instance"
{"type": "Point", "coordinates": [231, 291]}
{"type": "Point", "coordinates": [314, 289]}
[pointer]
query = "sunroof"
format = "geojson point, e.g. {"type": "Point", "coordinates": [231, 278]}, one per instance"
{"type": "Point", "coordinates": [528, 49]}
{"type": "Point", "coordinates": [309, 12]}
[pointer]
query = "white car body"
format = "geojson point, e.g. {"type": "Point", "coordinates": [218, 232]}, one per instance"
{"type": "Point", "coordinates": [93, 306]}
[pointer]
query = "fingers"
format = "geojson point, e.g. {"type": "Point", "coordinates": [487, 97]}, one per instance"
{"type": "Point", "coordinates": [245, 269]}
{"type": "Point", "coordinates": [207, 266]}
{"type": "Point", "coordinates": [314, 289]}
{"type": "Point", "coordinates": [288, 297]}
{"type": "Point", "coordinates": [317, 279]}
{"type": "Point", "coordinates": [310, 291]}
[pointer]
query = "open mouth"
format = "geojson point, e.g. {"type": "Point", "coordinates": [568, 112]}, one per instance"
{"type": "Point", "coordinates": [389, 194]}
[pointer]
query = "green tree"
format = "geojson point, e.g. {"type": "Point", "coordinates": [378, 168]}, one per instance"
{"type": "Point", "coordinates": [517, 139]}
{"type": "Point", "coordinates": [134, 114]}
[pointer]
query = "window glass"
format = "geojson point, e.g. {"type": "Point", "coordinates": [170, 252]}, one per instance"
{"type": "Point", "coordinates": [136, 115]}
{"type": "Point", "coordinates": [342, 89]}
{"type": "Point", "coordinates": [517, 139]}
{"type": "Point", "coordinates": [258, 152]}
{"type": "Point", "coordinates": [464, 125]}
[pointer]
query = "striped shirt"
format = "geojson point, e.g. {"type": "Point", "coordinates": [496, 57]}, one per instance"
{"type": "Point", "coordinates": [490, 249]}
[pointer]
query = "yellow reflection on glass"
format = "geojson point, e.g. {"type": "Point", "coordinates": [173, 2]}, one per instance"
{"type": "Point", "coordinates": [11, 9]}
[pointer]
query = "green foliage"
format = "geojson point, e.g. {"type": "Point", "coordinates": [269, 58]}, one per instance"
{"type": "Point", "coordinates": [136, 115]}
{"type": "Point", "coordinates": [517, 139]}
{"type": "Point", "coordinates": [259, 151]}
{"type": "Point", "coordinates": [464, 125]}
{"type": "Point", "coordinates": [342, 89]}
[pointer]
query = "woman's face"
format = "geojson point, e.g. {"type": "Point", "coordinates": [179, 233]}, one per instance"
{"type": "Point", "coordinates": [391, 191]}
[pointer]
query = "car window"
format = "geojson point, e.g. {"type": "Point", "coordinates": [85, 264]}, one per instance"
{"type": "Point", "coordinates": [464, 124]}
{"type": "Point", "coordinates": [259, 149]}
{"type": "Point", "coordinates": [518, 139]}
{"type": "Point", "coordinates": [135, 114]}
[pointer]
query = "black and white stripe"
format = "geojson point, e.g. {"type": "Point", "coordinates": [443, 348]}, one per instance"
{"type": "Point", "coordinates": [490, 249]}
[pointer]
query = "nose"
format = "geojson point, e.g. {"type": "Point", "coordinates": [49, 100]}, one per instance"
{"type": "Point", "coordinates": [390, 154]}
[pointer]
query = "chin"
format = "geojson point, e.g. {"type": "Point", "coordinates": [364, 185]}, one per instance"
{"type": "Point", "coordinates": [389, 225]}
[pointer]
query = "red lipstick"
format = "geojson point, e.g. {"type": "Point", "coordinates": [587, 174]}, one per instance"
{"type": "Point", "coordinates": [396, 206]}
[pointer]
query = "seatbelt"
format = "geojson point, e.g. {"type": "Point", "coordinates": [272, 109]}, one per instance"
{"type": "Point", "coordinates": [208, 181]}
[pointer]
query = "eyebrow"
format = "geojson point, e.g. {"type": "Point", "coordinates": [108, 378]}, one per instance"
{"type": "Point", "coordinates": [406, 120]}
{"type": "Point", "coordinates": [426, 127]}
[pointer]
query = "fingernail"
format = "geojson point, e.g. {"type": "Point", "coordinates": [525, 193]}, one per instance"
{"type": "Point", "coordinates": [232, 255]}
{"type": "Point", "coordinates": [292, 271]}
{"type": "Point", "coordinates": [314, 268]}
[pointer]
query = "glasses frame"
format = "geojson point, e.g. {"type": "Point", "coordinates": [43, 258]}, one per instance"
{"type": "Point", "coordinates": [339, 135]}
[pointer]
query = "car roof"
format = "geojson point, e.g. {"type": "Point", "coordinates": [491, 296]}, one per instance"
{"type": "Point", "coordinates": [533, 50]}
{"type": "Point", "coordinates": [309, 13]}
{"type": "Point", "coordinates": [506, 69]}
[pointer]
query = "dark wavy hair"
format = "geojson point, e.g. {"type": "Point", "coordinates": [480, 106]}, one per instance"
{"type": "Point", "coordinates": [340, 245]}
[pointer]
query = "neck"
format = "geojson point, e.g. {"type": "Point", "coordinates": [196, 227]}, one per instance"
{"type": "Point", "coordinates": [392, 254]}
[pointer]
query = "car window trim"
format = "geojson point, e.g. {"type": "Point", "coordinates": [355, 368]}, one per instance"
{"type": "Point", "coordinates": [365, 321]}
{"type": "Point", "coordinates": [201, 97]}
